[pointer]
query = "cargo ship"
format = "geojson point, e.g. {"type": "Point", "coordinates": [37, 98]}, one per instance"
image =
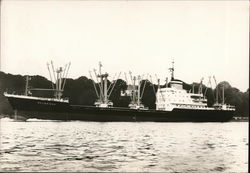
{"type": "Point", "coordinates": [173, 103]}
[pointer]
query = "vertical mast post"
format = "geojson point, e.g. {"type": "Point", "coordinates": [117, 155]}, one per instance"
{"type": "Point", "coordinates": [53, 70]}
{"type": "Point", "coordinates": [105, 88]}
{"type": "Point", "coordinates": [217, 92]}
{"type": "Point", "coordinates": [138, 95]}
{"type": "Point", "coordinates": [26, 85]}
{"type": "Point", "coordinates": [130, 74]}
{"type": "Point", "coordinates": [65, 76]}
{"type": "Point", "coordinates": [172, 70]}
{"type": "Point", "coordinates": [57, 82]}
{"type": "Point", "coordinates": [60, 78]}
{"type": "Point", "coordinates": [217, 95]}
{"type": "Point", "coordinates": [101, 92]}
{"type": "Point", "coordinates": [223, 98]}
{"type": "Point", "coordinates": [200, 89]}
{"type": "Point", "coordinates": [158, 81]}
{"type": "Point", "coordinates": [101, 78]}
{"type": "Point", "coordinates": [134, 90]}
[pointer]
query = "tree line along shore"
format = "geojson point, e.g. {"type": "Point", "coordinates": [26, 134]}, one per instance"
{"type": "Point", "coordinates": [81, 91]}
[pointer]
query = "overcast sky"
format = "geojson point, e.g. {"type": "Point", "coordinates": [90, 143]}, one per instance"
{"type": "Point", "coordinates": [205, 38]}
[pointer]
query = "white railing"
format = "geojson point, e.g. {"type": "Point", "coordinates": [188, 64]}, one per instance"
{"type": "Point", "coordinates": [35, 98]}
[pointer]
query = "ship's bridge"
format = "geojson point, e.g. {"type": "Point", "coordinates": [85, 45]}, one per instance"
{"type": "Point", "coordinates": [174, 96]}
{"type": "Point", "coordinates": [178, 84]}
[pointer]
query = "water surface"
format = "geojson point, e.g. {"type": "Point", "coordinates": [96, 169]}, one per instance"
{"type": "Point", "coordinates": [123, 146]}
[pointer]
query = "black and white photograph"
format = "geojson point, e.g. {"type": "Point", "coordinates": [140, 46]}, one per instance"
{"type": "Point", "coordinates": [124, 86]}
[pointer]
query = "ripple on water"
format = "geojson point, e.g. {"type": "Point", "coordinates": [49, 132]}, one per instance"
{"type": "Point", "coordinates": [219, 168]}
{"type": "Point", "coordinates": [124, 147]}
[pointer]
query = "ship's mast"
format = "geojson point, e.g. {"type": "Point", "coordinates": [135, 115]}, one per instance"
{"type": "Point", "coordinates": [158, 84]}
{"type": "Point", "coordinates": [103, 86]}
{"type": "Point", "coordinates": [172, 70]}
{"type": "Point", "coordinates": [223, 99]}
{"type": "Point", "coordinates": [101, 79]}
{"type": "Point", "coordinates": [200, 88]}
{"type": "Point", "coordinates": [59, 75]}
{"type": "Point", "coordinates": [217, 92]}
{"type": "Point", "coordinates": [138, 91]}
{"type": "Point", "coordinates": [27, 85]}
{"type": "Point", "coordinates": [105, 91]}
{"type": "Point", "coordinates": [58, 93]}
{"type": "Point", "coordinates": [193, 88]}
{"type": "Point", "coordinates": [134, 92]}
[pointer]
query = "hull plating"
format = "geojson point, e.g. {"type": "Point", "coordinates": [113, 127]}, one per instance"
{"type": "Point", "coordinates": [52, 110]}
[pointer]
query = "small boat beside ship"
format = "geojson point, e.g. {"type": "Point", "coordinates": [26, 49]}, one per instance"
{"type": "Point", "coordinates": [173, 103]}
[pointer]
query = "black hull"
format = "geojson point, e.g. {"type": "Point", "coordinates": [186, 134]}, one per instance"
{"type": "Point", "coordinates": [52, 110]}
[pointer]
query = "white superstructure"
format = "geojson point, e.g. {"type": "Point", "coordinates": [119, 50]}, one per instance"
{"type": "Point", "coordinates": [174, 96]}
